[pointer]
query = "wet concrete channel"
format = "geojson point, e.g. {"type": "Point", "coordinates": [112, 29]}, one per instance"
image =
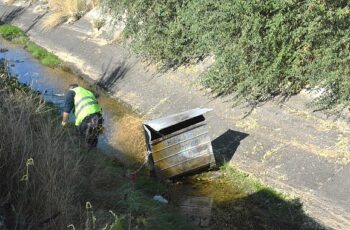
{"type": "Point", "coordinates": [209, 200]}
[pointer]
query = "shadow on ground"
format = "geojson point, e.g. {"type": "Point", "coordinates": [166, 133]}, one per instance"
{"type": "Point", "coordinates": [111, 76]}
{"type": "Point", "coordinates": [230, 202]}
{"type": "Point", "coordinates": [225, 146]}
{"type": "Point", "coordinates": [35, 21]}
{"type": "Point", "coordinates": [261, 210]}
{"type": "Point", "coordinates": [11, 15]}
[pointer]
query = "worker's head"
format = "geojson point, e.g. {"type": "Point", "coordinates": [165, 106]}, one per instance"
{"type": "Point", "coordinates": [72, 86]}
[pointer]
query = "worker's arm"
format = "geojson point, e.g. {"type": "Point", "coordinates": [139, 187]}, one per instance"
{"type": "Point", "coordinates": [65, 118]}
{"type": "Point", "coordinates": [68, 106]}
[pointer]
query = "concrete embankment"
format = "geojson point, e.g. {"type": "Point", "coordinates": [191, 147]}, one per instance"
{"type": "Point", "coordinates": [285, 145]}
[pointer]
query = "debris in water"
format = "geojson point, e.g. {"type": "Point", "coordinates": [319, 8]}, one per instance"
{"type": "Point", "coordinates": [3, 50]}
{"type": "Point", "coordinates": [160, 199]}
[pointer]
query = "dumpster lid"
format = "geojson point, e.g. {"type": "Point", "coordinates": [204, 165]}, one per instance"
{"type": "Point", "coordinates": [165, 122]}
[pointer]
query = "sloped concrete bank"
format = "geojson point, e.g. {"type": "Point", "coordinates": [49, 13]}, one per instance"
{"type": "Point", "coordinates": [285, 145]}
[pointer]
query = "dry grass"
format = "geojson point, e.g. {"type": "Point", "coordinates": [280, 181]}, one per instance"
{"type": "Point", "coordinates": [66, 10]}
{"type": "Point", "coordinates": [248, 123]}
{"type": "Point", "coordinates": [54, 20]}
{"type": "Point", "coordinates": [39, 161]}
{"type": "Point", "coordinates": [130, 137]}
{"type": "Point", "coordinates": [341, 156]}
{"type": "Point", "coordinates": [9, 2]}
{"type": "Point", "coordinates": [46, 176]}
{"type": "Point", "coordinates": [118, 38]}
{"type": "Point", "coordinates": [95, 3]}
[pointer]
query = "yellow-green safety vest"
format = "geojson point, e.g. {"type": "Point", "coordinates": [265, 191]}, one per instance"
{"type": "Point", "coordinates": [85, 103]}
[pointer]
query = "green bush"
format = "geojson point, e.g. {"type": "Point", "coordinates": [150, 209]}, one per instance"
{"type": "Point", "coordinates": [50, 60]}
{"type": "Point", "coordinates": [261, 48]}
{"type": "Point", "coordinates": [10, 32]}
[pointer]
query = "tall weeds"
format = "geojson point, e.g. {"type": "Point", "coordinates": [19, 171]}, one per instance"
{"type": "Point", "coordinates": [39, 163]}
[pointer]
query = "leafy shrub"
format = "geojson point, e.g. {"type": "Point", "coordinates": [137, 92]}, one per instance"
{"type": "Point", "coordinates": [9, 32]}
{"type": "Point", "coordinates": [261, 48]}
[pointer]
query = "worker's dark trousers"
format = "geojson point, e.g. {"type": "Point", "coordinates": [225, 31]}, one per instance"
{"type": "Point", "coordinates": [90, 128]}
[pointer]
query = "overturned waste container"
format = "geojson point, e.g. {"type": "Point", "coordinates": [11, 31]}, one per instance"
{"type": "Point", "coordinates": [179, 144]}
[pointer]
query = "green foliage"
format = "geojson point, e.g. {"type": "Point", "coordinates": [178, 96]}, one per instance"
{"type": "Point", "coordinates": [261, 48]}
{"type": "Point", "coordinates": [9, 32]}
{"type": "Point", "coordinates": [150, 187]}
{"type": "Point", "coordinates": [16, 35]}
{"type": "Point", "coordinates": [50, 60]}
{"type": "Point", "coordinates": [249, 184]}
{"type": "Point", "coordinates": [11, 83]}
{"type": "Point", "coordinates": [45, 57]}
{"type": "Point", "coordinates": [143, 211]}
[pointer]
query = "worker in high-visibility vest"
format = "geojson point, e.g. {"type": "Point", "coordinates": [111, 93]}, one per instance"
{"type": "Point", "coordinates": [87, 111]}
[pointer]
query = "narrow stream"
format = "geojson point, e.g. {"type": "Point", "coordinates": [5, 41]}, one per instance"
{"type": "Point", "coordinates": [52, 83]}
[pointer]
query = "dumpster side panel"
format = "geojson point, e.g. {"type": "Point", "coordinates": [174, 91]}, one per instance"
{"type": "Point", "coordinates": [187, 166]}
{"type": "Point", "coordinates": [184, 142]}
{"type": "Point", "coordinates": [183, 151]}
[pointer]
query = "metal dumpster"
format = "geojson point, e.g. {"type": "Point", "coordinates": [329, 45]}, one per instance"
{"type": "Point", "coordinates": [179, 143]}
